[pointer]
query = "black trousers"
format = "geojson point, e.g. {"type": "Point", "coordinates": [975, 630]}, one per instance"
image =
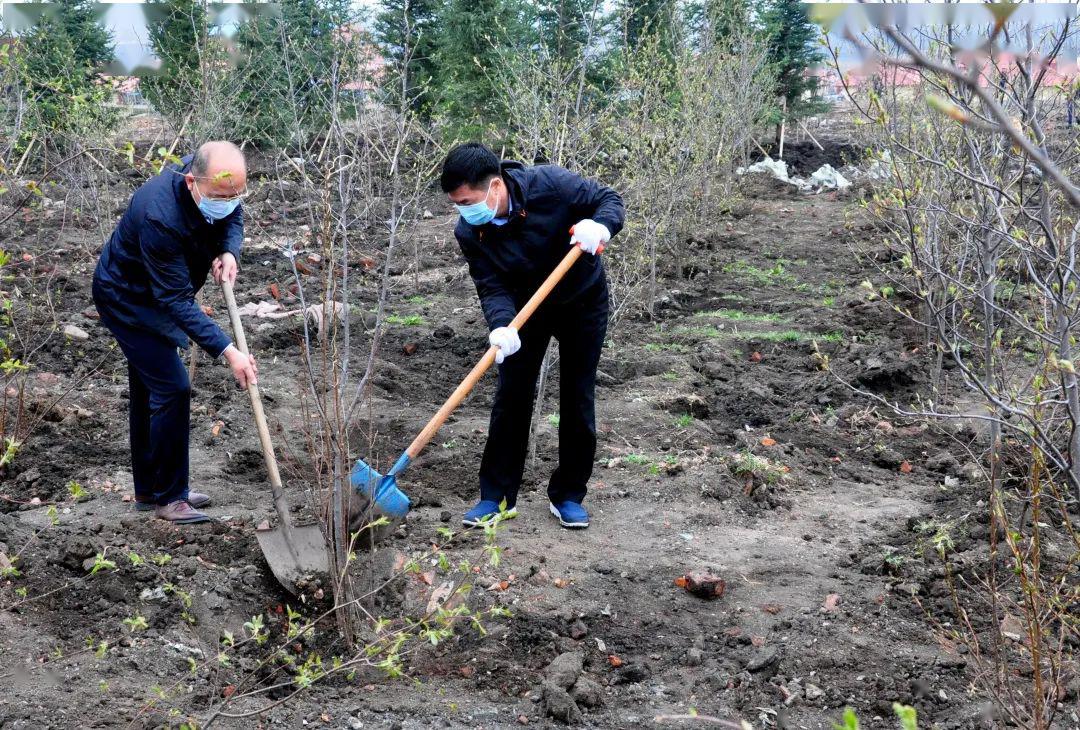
{"type": "Point", "coordinates": [580, 328]}
{"type": "Point", "coordinates": [159, 408]}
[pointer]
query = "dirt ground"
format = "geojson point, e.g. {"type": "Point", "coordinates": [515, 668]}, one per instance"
{"type": "Point", "coordinates": [822, 562]}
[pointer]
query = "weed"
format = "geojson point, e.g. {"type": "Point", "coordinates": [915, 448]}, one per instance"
{"type": "Point", "coordinates": [751, 466]}
{"type": "Point", "coordinates": [939, 535]}
{"type": "Point", "coordinates": [774, 275]}
{"type": "Point", "coordinates": [666, 347]}
{"type": "Point", "coordinates": [828, 301]}
{"type": "Point", "coordinates": [684, 420]}
{"type": "Point", "coordinates": [553, 419]}
{"type": "Point", "coordinates": [417, 299]}
{"type": "Point", "coordinates": [76, 491]}
{"type": "Point", "coordinates": [412, 320]}
{"type": "Point", "coordinates": [736, 315]}
{"type": "Point", "coordinates": [637, 459]}
{"type": "Point", "coordinates": [894, 560]}
{"type": "Point", "coordinates": [671, 376]}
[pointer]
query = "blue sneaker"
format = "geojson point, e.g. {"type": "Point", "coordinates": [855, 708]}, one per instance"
{"type": "Point", "coordinates": [570, 514]}
{"type": "Point", "coordinates": [486, 510]}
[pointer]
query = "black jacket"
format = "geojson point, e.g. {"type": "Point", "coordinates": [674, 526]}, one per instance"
{"type": "Point", "coordinates": [159, 256]}
{"type": "Point", "coordinates": [509, 262]}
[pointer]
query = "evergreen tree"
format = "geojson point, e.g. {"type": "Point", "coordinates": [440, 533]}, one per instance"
{"type": "Point", "coordinates": [178, 38]}
{"type": "Point", "coordinates": [474, 38]}
{"type": "Point", "coordinates": [713, 21]}
{"type": "Point", "coordinates": [285, 91]}
{"type": "Point", "coordinates": [406, 31]}
{"type": "Point", "coordinates": [640, 19]}
{"type": "Point", "coordinates": [561, 26]}
{"type": "Point", "coordinates": [793, 49]}
{"type": "Point", "coordinates": [61, 57]}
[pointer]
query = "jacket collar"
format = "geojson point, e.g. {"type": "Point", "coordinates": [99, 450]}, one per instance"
{"type": "Point", "coordinates": [184, 199]}
{"type": "Point", "coordinates": [512, 173]}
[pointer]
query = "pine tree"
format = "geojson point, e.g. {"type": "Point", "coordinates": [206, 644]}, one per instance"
{"type": "Point", "coordinates": [178, 38]}
{"type": "Point", "coordinates": [793, 49]}
{"type": "Point", "coordinates": [639, 19]}
{"type": "Point", "coordinates": [406, 31]}
{"type": "Point", "coordinates": [561, 26]}
{"type": "Point", "coordinates": [714, 21]}
{"type": "Point", "coordinates": [474, 39]}
{"type": "Point", "coordinates": [285, 92]}
{"type": "Point", "coordinates": [61, 58]}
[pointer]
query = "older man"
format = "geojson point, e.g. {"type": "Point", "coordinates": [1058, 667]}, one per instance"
{"type": "Point", "coordinates": [179, 226]}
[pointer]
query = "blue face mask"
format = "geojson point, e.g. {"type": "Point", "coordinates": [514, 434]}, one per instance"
{"type": "Point", "coordinates": [215, 210]}
{"type": "Point", "coordinates": [477, 214]}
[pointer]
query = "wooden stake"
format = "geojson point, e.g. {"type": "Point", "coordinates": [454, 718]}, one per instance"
{"type": "Point", "coordinates": [812, 138]}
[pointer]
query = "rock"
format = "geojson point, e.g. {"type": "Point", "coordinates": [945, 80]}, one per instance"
{"type": "Point", "coordinates": [184, 649]}
{"type": "Point", "coordinates": [29, 476]}
{"type": "Point", "coordinates": [587, 693]}
{"type": "Point", "coordinates": [578, 630]}
{"type": "Point", "coordinates": [943, 463]}
{"type": "Point", "coordinates": [427, 214]}
{"type": "Point", "coordinates": [565, 669]}
{"type": "Point", "coordinates": [215, 601]}
{"type": "Point", "coordinates": [694, 657]}
{"type": "Point", "coordinates": [683, 403]}
{"type": "Point", "coordinates": [354, 723]}
{"type": "Point", "coordinates": [443, 332]}
{"type": "Point", "coordinates": [813, 692]}
{"type": "Point", "coordinates": [152, 594]}
{"type": "Point", "coordinates": [558, 703]}
{"type": "Point", "coordinates": [767, 657]}
{"type": "Point", "coordinates": [445, 516]}
{"type": "Point", "coordinates": [702, 585]}
{"type": "Point", "coordinates": [75, 333]}
{"type": "Point", "coordinates": [78, 550]}
{"type": "Point", "coordinates": [888, 459]}
{"type": "Point", "coordinates": [632, 674]}
{"type": "Point", "coordinates": [971, 471]}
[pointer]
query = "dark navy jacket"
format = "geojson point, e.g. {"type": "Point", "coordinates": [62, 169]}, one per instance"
{"type": "Point", "coordinates": [159, 256]}
{"type": "Point", "coordinates": [509, 262]}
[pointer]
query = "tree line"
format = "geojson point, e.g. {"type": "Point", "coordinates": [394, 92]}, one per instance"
{"type": "Point", "coordinates": [447, 60]}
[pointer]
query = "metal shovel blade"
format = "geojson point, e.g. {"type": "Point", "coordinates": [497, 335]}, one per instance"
{"type": "Point", "coordinates": [295, 562]}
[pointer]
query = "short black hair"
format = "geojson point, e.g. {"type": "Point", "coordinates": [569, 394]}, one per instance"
{"type": "Point", "coordinates": [471, 164]}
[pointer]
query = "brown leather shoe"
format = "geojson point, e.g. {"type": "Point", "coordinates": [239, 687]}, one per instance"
{"type": "Point", "coordinates": [198, 500]}
{"type": "Point", "coordinates": [180, 513]}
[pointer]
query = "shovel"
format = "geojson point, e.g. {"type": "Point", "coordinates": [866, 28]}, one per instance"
{"type": "Point", "coordinates": [293, 553]}
{"type": "Point", "coordinates": [381, 490]}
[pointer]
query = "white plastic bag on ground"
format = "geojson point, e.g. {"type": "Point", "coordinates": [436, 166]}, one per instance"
{"type": "Point", "coordinates": [769, 166]}
{"type": "Point", "coordinates": [829, 178]}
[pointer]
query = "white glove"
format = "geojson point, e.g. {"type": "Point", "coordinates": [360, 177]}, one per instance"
{"type": "Point", "coordinates": [507, 340]}
{"type": "Point", "coordinates": [591, 236]}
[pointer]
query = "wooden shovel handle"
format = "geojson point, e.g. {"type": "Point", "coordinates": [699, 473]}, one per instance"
{"type": "Point", "coordinates": [276, 488]}
{"type": "Point", "coordinates": [486, 361]}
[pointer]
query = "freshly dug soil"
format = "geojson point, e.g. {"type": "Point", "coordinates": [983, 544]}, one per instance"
{"type": "Point", "coordinates": [725, 450]}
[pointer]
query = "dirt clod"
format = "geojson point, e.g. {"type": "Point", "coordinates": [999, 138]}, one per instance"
{"type": "Point", "coordinates": [565, 669]}
{"type": "Point", "coordinates": [558, 704]}
{"type": "Point", "coordinates": [703, 585]}
{"type": "Point", "coordinates": [587, 693]}
{"type": "Point", "coordinates": [764, 659]}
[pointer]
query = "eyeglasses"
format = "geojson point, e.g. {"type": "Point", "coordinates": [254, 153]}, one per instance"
{"type": "Point", "coordinates": [239, 196]}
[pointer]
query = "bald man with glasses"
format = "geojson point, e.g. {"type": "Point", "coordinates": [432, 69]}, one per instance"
{"type": "Point", "coordinates": [180, 226]}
